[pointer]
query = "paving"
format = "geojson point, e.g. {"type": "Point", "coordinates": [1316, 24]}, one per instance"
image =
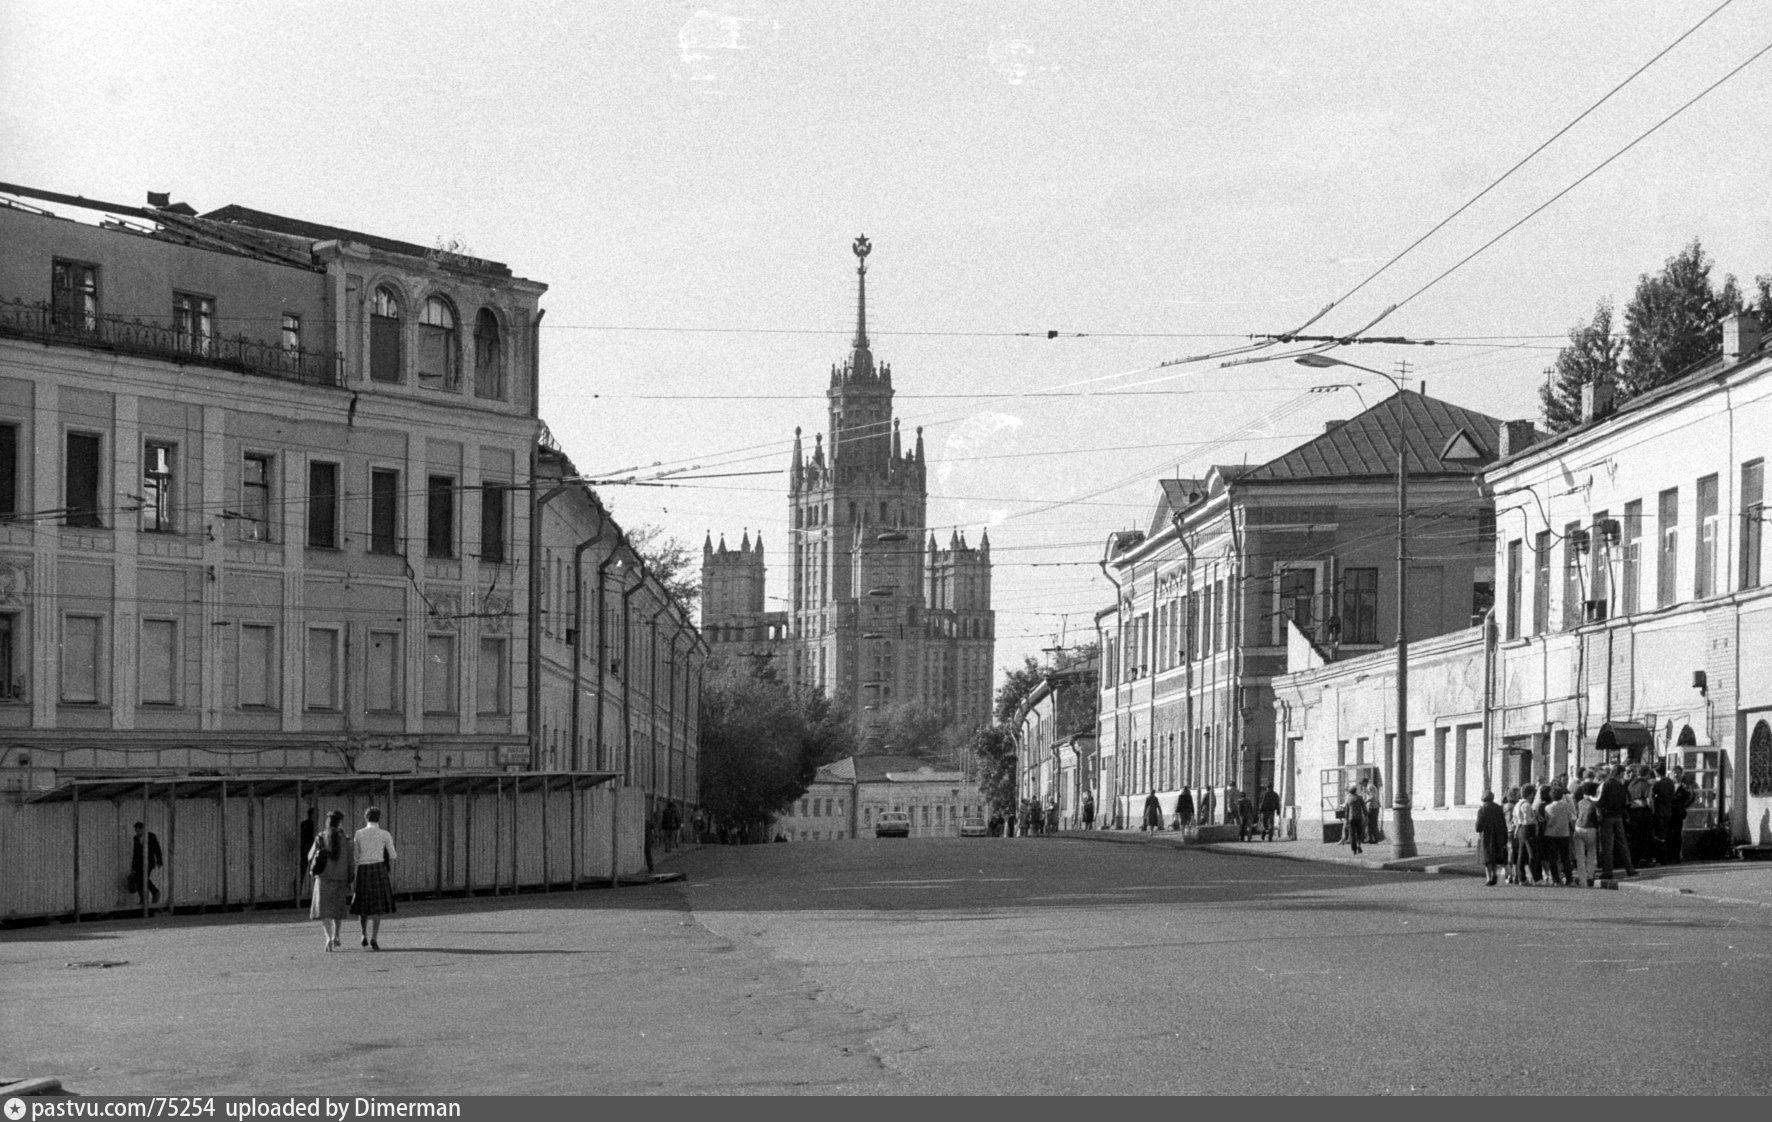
{"type": "Point", "coordinates": [918, 966]}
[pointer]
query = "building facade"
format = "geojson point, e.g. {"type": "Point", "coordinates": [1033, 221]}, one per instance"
{"type": "Point", "coordinates": [1055, 738]}
{"type": "Point", "coordinates": [846, 798]}
{"type": "Point", "coordinates": [1633, 621]}
{"type": "Point", "coordinates": [1206, 597]}
{"type": "Point", "coordinates": [879, 615]}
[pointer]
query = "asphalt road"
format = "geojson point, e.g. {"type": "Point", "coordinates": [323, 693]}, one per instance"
{"type": "Point", "coordinates": [978, 966]}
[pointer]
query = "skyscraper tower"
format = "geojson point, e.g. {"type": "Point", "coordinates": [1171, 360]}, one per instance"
{"type": "Point", "coordinates": [873, 619]}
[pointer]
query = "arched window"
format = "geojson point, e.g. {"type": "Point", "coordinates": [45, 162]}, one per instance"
{"type": "Point", "coordinates": [438, 356]}
{"type": "Point", "coordinates": [1759, 761]}
{"type": "Point", "coordinates": [489, 359]}
{"type": "Point", "coordinates": [386, 352]}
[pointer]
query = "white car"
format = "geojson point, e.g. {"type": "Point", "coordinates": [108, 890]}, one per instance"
{"type": "Point", "coordinates": [892, 824]}
{"type": "Point", "coordinates": [974, 828]}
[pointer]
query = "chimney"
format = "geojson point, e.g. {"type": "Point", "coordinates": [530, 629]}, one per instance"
{"type": "Point", "coordinates": [160, 199]}
{"type": "Point", "coordinates": [1741, 336]}
{"type": "Point", "coordinates": [1516, 437]}
{"type": "Point", "coordinates": [1596, 398]}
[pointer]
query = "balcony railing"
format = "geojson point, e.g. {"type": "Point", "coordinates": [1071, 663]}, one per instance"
{"type": "Point", "coordinates": [74, 328]}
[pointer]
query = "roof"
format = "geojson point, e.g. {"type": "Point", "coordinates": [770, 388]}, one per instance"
{"type": "Point", "coordinates": [1176, 496]}
{"type": "Point", "coordinates": [295, 227]}
{"type": "Point", "coordinates": [1363, 444]}
{"type": "Point", "coordinates": [315, 786]}
{"type": "Point", "coordinates": [897, 769]}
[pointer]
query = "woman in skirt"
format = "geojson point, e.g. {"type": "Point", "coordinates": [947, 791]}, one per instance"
{"type": "Point", "coordinates": [374, 896]}
{"type": "Point", "coordinates": [332, 883]}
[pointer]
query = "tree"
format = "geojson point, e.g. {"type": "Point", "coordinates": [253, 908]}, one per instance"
{"type": "Point", "coordinates": [994, 748]}
{"type": "Point", "coordinates": [1017, 684]}
{"type": "Point", "coordinates": [760, 746]}
{"type": "Point", "coordinates": [919, 732]}
{"type": "Point", "coordinates": [1592, 355]}
{"type": "Point", "coordinates": [1673, 321]}
{"type": "Point", "coordinates": [669, 561]}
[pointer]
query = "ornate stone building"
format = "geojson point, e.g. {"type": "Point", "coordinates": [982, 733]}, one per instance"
{"type": "Point", "coordinates": [879, 614]}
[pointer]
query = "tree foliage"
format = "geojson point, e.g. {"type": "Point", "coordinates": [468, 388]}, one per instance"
{"type": "Point", "coordinates": [1673, 321]}
{"type": "Point", "coordinates": [921, 733]}
{"type": "Point", "coordinates": [669, 561]}
{"type": "Point", "coordinates": [994, 748]}
{"type": "Point", "coordinates": [1591, 354]}
{"type": "Point", "coordinates": [1017, 684]}
{"type": "Point", "coordinates": [760, 746]}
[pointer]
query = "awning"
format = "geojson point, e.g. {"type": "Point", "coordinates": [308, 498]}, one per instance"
{"type": "Point", "coordinates": [317, 786]}
{"type": "Point", "coordinates": [1618, 736]}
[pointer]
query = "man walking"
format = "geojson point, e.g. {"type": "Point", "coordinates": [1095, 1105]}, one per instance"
{"type": "Point", "coordinates": [1354, 812]}
{"type": "Point", "coordinates": [146, 858]}
{"type": "Point", "coordinates": [1153, 813]}
{"type": "Point", "coordinates": [1270, 811]}
{"type": "Point", "coordinates": [1614, 814]}
{"type": "Point", "coordinates": [1088, 811]}
{"type": "Point", "coordinates": [1374, 810]}
{"type": "Point", "coordinates": [1683, 798]}
{"type": "Point", "coordinates": [1661, 796]}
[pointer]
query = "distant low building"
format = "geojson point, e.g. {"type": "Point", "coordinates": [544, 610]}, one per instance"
{"type": "Point", "coordinates": [847, 797]}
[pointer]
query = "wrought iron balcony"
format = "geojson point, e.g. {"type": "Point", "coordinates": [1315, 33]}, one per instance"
{"type": "Point", "coordinates": [67, 327]}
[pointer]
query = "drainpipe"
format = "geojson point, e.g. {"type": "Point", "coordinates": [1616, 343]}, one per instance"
{"type": "Point", "coordinates": [1120, 670]}
{"type": "Point", "coordinates": [627, 645]}
{"type": "Point", "coordinates": [537, 506]}
{"type": "Point", "coordinates": [1491, 652]}
{"type": "Point", "coordinates": [578, 623]}
{"type": "Point", "coordinates": [602, 646]}
{"type": "Point", "coordinates": [652, 683]}
{"type": "Point", "coordinates": [1234, 586]}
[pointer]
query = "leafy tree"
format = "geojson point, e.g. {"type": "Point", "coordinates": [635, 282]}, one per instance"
{"type": "Point", "coordinates": [760, 746]}
{"type": "Point", "coordinates": [1017, 684]}
{"type": "Point", "coordinates": [911, 730]}
{"type": "Point", "coordinates": [670, 562]}
{"type": "Point", "coordinates": [1592, 354]}
{"type": "Point", "coordinates": [994, 748]}
{"type": "Point", "coordinates": [1673, 321]}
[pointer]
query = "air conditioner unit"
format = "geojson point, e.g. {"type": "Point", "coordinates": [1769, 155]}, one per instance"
{"type": "Point", "coordinates": [1593, 611]}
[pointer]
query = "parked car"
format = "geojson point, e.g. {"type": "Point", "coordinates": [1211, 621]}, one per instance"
{"type": "Point", "coordinates": [974, 828]}
{"type": "Point", "coordinates": [892, 824]}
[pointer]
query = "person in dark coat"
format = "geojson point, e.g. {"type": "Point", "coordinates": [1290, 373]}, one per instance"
{"type": "Point", "coordinates": [1661, 795]}
{"type": "Point", "coordinates": [1153, 812]}
{"type": "Point", "coordinates": [1208, 804]}
{"type": "Point", "coordinates": [1354, 818]}
{"type": "Point", "coordinates": [1491, 835]}
{"type": "Point", "coordinates": [1088, 811]}
{"type": "Point", "coordinates": [1614, 816]}
{"type": "Point", "coordinates": [1683, 798]}
{"type": "Point", "coordinates": [1184, 808]}
{"type": "Point", "coordinates": [1270, 811]}
{"type": "Point", "coordinates": [1245, 816]}
{"type": "Point", "coordinates": [146, 858]}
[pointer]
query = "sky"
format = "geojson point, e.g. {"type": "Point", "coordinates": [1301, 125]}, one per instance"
{"type": "Point", "coordinates": [1151, 181]}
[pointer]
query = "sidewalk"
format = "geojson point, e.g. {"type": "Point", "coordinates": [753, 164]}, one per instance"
{"type": "Point", "coordinates": [1725, 882]}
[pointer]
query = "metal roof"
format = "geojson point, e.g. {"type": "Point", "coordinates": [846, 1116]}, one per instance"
{"type": "Point", "coordinates": [1362, 445]}
{"type": "Point", "coordinates": [319, 786]}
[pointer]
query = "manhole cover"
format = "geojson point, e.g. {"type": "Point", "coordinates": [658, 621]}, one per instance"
{"type": "Point", "coordinates": [98, 964]}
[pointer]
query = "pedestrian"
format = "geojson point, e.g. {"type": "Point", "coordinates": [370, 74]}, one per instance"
{"type": "Point", "coordinates": [1587, 831]}
{"type": "Point", "coordinates": [1640, 790]}
{"type": "Point", "coordinates": [1354, 815]}
{"type": "Point", "coordinates": [1245, 816]}
{"type": "Point", "coordinates": [1208, 804]}
{"type": "Point", "coordinates": [1088, 810]}
{"type": "Point", "coordinates": [1270, 811]}
{"type": "Point", "coordinates": [1513, 849]}
{"type": "Point", "coordinates": [1558, 816]}
{"type": "Point", "coordinates": [332, 862]}
{"type": "Point", "coordinates": [1230, 803]}
{"type": "Point", "coordinates": [373, 896]}
{"type": "Point", "coordinates": [1661, 794]}
{"type": "Point", "coordinates": [1374, 811]}
{"type": "Point", "coordinates": [1184, 807]}
{"type": "Point", "coordinates": [1052, 816]}
{"type": "Point", "coordinates": [672, 824]}
{"type": "Point", "coordinates": [147, 857]}
{"type": "Point", "coordinates": [1492, 836]}
{"type": "Point", "coordinates": [1683, 798]}
{"type": "Point", "coordinates": [1153, 812]}
{"type": "Point", "coordinates": [309, 827]}
{"type": "Point", "coordinates": [1614, 844]}
{"type": "Point", "coordinates": [1525, 829]}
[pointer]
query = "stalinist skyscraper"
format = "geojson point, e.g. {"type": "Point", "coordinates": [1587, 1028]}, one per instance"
{"type": "Point", "coordinates": [880, 614]}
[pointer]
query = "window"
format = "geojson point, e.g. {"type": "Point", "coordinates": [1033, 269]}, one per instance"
{"type": "Point", "coordinates": [493, 688]}
{"type": "Point", "coordinates": [255, 497]}
{"type": "Point", "coordinates": [1704, 581]}
{"type": "Point", "coordinates": [1753, 516]}
{"type": "Point", "coordinates": [1359, 606]}
{"type": "Point", "coordinates": [439, 674]}
{"type": "Point", "coordinates": [12, 669]}
{"type": "Point", "coordinates": [1630, 574]}
{"type": "Point", "coordinates": [489, 359]}
{"type": "Point", "coordinates": [1461, 761]}
{"type": "Point", "coordinates": [194, 319]}
{"type": "Point", "coordinates": [82, 476]}
{"type": "Point", "coordinates": [258, 666]}
{"type": "Point", "coordinates": [1440, 737]}
{"type": "Point", "coordinates": [291, 331]}
{"type": "Point", "coordinates": [1599, 551]}
{"type": "Point", "coordinates": [1574, 572]}
{"type": "Point", "coordinates": [322, 668]}
{"type": "Point", "coordinates": [159, 662]}
{"type": "Point", "coordinates": [387, 352]}
{"type": "Point", "coordinates": [1541, 549]}
{"type": "Point", "coordinates": [384, 510]}
{"type": "Point", "coordinates": [439, 359]}
{"type": "Point", "coordinates": [157, 487]}
{"type": "Point", "coordinates": [1298, 591]}
{"type": "Point", "coordinates": [492, 522]}
{"type": "Point", "coordinates": [1515, 550]}
{"type": "Point", "coordinates": [384, 693]}
{"type": "Point", "coordinates": [8, 471]}
{"type": "Point", "coordinates": [82, 671]}
{"type": "Point", "coordinates": [73, 298]}
{"type": "Point", "coordinates": [1667, 561]}
{"type": "Point", "coordinates": [440, 516]}
{"type": "Point", "coordinates": [322, 505]}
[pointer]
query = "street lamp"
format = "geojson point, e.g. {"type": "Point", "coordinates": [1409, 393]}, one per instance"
{"type": "Point", "coordinates": [1402, 821]}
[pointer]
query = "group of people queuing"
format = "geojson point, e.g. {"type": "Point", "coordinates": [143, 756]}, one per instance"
{"type": "Point", "coordinates": [1573, 834]}
{"type": "Point", "coordinates": [1362, 814]}
{"type": "Point", "coordinates": [353, 875]}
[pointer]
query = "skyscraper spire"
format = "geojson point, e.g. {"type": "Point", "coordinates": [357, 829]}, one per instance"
{"type": "Point", "coordinates": [862, 247]}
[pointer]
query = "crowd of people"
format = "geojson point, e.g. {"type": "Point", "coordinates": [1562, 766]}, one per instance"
{"type": "Point", "coordinates": [1573, 834]}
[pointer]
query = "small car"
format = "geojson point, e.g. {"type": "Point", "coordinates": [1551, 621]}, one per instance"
{"type": "Point", "coordinates": [974, 828]}
{"type": "Point", "coordinates": [892, 824]}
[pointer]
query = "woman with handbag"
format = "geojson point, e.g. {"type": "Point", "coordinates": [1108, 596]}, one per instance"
{"type": "Point", "coordinates": [332, 861]}
{"type": "Point", "coordinates": [374, 896]}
